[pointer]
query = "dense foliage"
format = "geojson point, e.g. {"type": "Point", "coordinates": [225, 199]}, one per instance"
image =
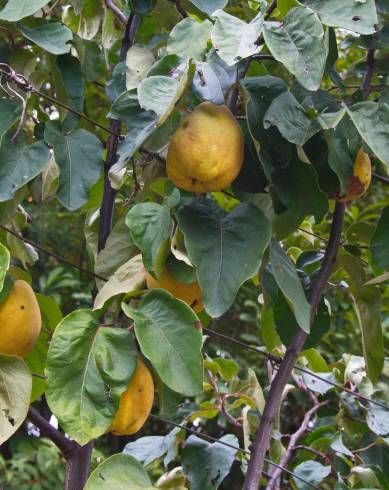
{"type": "Point", "coordinates": [137, 261]}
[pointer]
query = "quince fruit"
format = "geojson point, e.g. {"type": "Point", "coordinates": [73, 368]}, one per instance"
{"type": "Point", "coordinates": [135, 403]}
{"type": "Point", "coordinates": [190, 293]}
{"type": "Point", "coordinates": [20, 320]}
{"type": "Point", "coordinates": [360, 181]}
{"type": "Point", "coordinates": [206, 153]}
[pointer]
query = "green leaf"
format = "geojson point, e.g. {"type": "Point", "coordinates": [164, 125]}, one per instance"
{"type": "Point", "coordinates": [140, 125]}
{"type": "Point", "coordinates": [312, 471]}
{"type": "Point", "coordinates": [4, 264]}
{"type": "Point", "coordinates": [234, 39]}
{"type": "Point", "coordinates": [129, 277]}
{"type": "Point", "coordinates": [10, 113]}
{"type": "Point", "coordinates": [379, 244]}
{"type": "Point", "coordinates": [289, 282]}
{"type": "Point", "coordinates": [167, 331]}
{"type": "Point", "coordinates": [20, 163]}
{"type": "Point", "coordinates": [54, 37]}
{"type": "Point", "coordinates": [206, 84]}
{"type": "Point", "coordinates": [206, 465]}
{"type": "Point", "coordinates": [189, 38]}
{"type": "Point", "coordinates": [356, 16]}
{"type": "Point", "coordinates": [298, 43]}
{"type": "Point", "coordinates": [372, 122]}
{"type": "Point", "coordinates": [141, 7]}
{"type": "Point", "coordinates": [287, 326]}
{"type": "Point", "coordinates": [36, 359]}
{"type": "Point", "coordinates": [18, 9]}
{"type": "Point", "coordinates": [367, 305]}
{"type": "Point", "coordinates": [378, 280]}
{"type": "Point", "coordinates": [377, 419]}
{"type": "Point", "coordinates": [75, 180]}
{"type": "Point", "coordinates": [84, 393]}
{"type": "Point", "coordinates": [119, 472]}
{"type": "Point", "coordinates": [289, 116]}
{"type": "Point", "coordinates": [213, 239]}
{"type": "Point", "coordinates": [139, 61]}
{"type": "Point", "coordinates": [150, 228]}
{"type": "Point", "coordinates": [160, 94]}
{"type": "Point", "coordinates": [209, 6]}
{"type": "Point", "coordinates": [15, 391]}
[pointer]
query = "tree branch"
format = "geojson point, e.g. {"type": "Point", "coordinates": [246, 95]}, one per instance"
{"type": "Point", "coordinates": [117, 12]}
{"type": "Point", "coordinates": [273, 402]}
{"type": "Point", "coordinates": [65, 445]}
{"type": "Point", "coordinates": [106, 209]}
{"type": "Point", "coordinates": [292, 444]}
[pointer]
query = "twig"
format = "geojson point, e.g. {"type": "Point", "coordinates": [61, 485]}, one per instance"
{"type": "Point", "coordinates": [312, 450]}
{"type": "Point", "coordinates": [223, 443]}
{"type": "Point", "coordinates": [366, 84]}
{"type": "Point", "coordinates": [116, 10]}
{"type": "Point", "coordinates": [365, 448]}
{"type": "Point", "coordinates": [180, 9]}
{"type": "Point", "coordinates": [63, 443]}
{"type": "Point", "coordinates": [381, 178]}
{"type": "Point", "coordinates": [272, 6]}
{"type": "Point", "coordinates": [262, 438]}
{"type": "Point", "coordinates": [51, 254]}
{"type": "Point", "coordinates": [221, 400]}
{"type": "Point", "coordinates": [292, 443]}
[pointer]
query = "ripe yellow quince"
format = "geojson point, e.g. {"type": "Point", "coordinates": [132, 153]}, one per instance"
{"type": "Point", "coordinates": [360, 181]}
{"type": "Point", "coordinates": [135, 403]}
{"type": "Point", "coordinates": [20, 320]}
{"type": "Point", "coordinates": [206, 153]}
{"type": "Point", "coordinates": [190, 293]}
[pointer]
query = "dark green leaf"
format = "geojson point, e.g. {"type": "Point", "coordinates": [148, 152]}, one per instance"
{"type": "Point", "coordinates": [10, 113]}
{"type": "Point", "coordinates": [79, 157]}
{"type": "Point", "coordinates": [289, 282]}
{"type": "Point", "coordinates": [54, 37]}
{"type": "Point", "coordinates": [141, 7]}
{"type": "Point", "coordinates": [380, 242]}
{"type": "Point", "coordinates": [377, 419]}
{"type": "Point", "coordinates": [4, 264]}
{"type": "Point", "coordinates": [209, 6]}
{"type": "Point", "coordinates": [20, 163]}
{"type": "Point", "coordinates": [102, 363]}
{"type": "Point", "coordinates": [213, 239]}
{"type": "Point", "coordinates": [206, 464]}
{"type": "Point", "coordinates": [150, 228]}
{"type": "Point", "coordinates": [298, 43]}
{"type": "Point", "coordinates": [167, 332]}
{"type": "Point", "coordinates": [312, 471]}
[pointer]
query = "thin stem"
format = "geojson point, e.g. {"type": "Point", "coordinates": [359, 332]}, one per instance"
{"type": "Point", "coordinates": [381, 178]}
{"type": "Point", "coordinates": [63, 443]}
{"type": "Point", "coordinates": [51, 254]}
{"type": "Point", "coordinates": [273, 402]}
{"type": "Point", "coordinates": [366, 84]}
{"type": "Point", "coordinates": [292, 443]}
{"type": "Point", "coordinates": [117, 12]}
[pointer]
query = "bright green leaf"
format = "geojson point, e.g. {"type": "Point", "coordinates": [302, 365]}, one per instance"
{"type": "Point", "coordinates": [167, 332]}
{"type": "Point", "coordinates": [189, 38]}
{"type": "Point", "coordinates": [88, 368]}
{"type": "Point", "coordinates": [119, 472]}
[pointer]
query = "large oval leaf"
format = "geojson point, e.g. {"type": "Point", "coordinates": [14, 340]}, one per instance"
{"type": "Point", "coordinates": [88, 368]}
{"type": "Point", "coordinates": [18, 9]}
{"type": "Point", "coordinates": [167, 331]}
{"type": "Point", "coordinates": [225, 248]}
{"type": "Point", "coordinates": [15, 391]}
{"type": "Point", "coordinates": [298, 43]}
{"type": "Point", "coordinates": [119, 472]}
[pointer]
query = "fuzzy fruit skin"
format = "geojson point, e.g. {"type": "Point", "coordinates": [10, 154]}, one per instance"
{"type": "Point", "coordinates": [20, 320]}
{"type": "Point", "coordinates": [206, 153]}
{"type": "Point", "coordinates": [135, 403]}
{"type": "Point", "coordinates": [361, 178]}
{"type": "Point", "coordinates": [190, 293]}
